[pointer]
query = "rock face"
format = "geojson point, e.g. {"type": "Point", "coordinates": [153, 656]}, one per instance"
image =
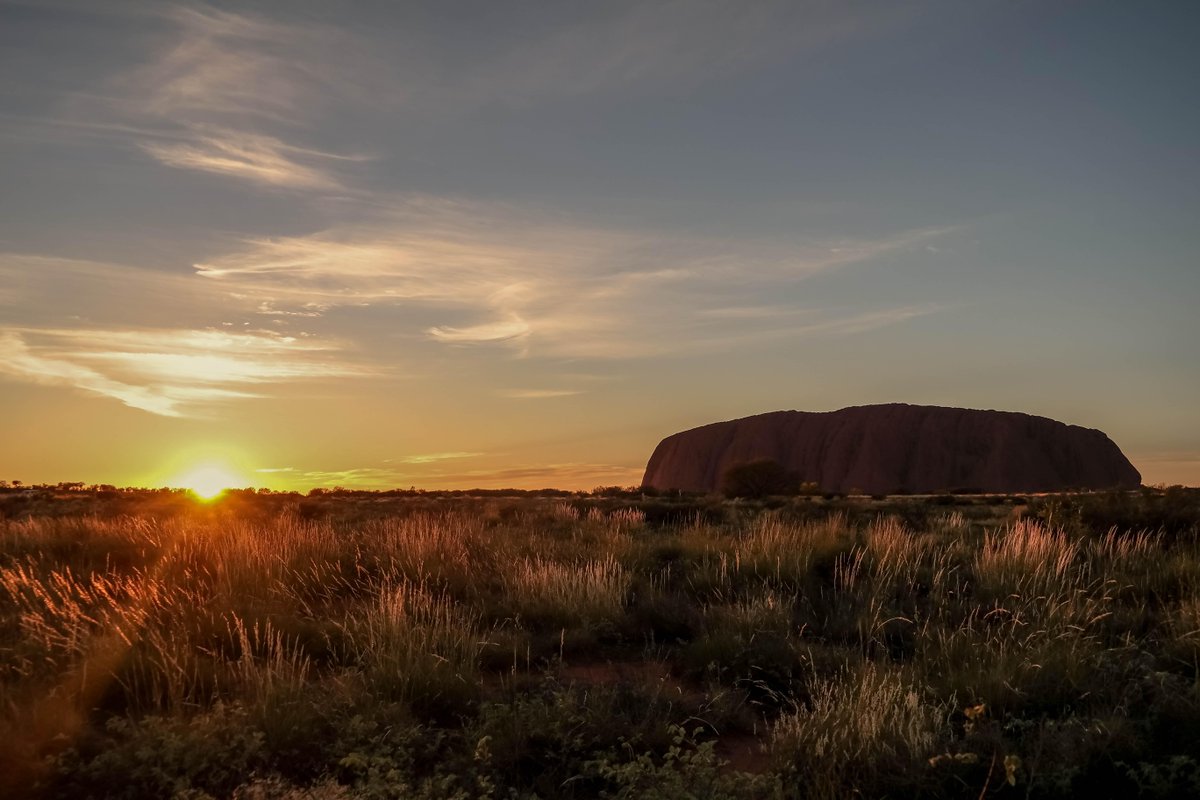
{"type": "Point", "coordinates": [898, 448]}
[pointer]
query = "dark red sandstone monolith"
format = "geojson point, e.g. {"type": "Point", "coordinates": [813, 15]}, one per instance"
{"type": "Point", "coordinates": [899, 448]}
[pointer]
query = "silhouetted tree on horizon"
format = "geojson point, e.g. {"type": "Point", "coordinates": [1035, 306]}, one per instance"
{"type": "Point", "coordinates": [760, 478]}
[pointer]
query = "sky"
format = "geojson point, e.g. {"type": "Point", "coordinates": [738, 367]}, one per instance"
{"type": "Point", "coordinates": [509, 244]}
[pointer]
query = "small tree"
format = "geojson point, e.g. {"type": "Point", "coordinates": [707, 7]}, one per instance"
{"type": "Point", "coordinates": [756, 479]}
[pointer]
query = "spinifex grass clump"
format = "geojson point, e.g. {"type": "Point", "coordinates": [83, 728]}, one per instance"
{"type": "Point", "coordinates": [417, 647]}
{"type": "Point", "coordinates": [863, 726]}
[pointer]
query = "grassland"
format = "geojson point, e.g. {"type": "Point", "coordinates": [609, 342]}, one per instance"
{"type": "Point", "coordinates": [604, 645]}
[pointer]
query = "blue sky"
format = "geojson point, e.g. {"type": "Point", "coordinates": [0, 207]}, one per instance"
{"type": "Point", "coordinates": [455, 244]}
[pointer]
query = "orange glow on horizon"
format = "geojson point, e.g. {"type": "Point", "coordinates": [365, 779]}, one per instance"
{"type": "Point", "coordinates": [209, 481]}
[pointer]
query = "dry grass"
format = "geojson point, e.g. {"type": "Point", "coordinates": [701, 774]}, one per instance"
{"type": "Point", "coordinates": [347, 650]}
{"type": "Point", "coordinates": [855, 724]}
{"type": "Point", "coordinates": [545, 590]}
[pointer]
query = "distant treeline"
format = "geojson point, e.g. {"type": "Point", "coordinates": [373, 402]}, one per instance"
{"type": "Point", "coordinates": [1172, 510]}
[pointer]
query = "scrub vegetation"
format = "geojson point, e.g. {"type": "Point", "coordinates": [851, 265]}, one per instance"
{"type": "Point", "coordinates": [612, 644]}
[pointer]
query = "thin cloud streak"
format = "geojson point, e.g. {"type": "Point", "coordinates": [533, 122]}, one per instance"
{"type": "Point", "coordinates": [577, 475]}
{"type": "Point", "coordinates": [430, 458]}
{"type": "Point", "coordinates": [256, 158]}
{"type": "Point", "coordinates": [538, 394]}
{"type": "Point", "coordinates": [226, 93]}
{"type": "Point", "coordinates": [654, 342]}
{"type": "Point", "coordinates": [501, 331]}
{"type": "Point", "coordinates": [262, 81]}
{"type": "Point", "coordinates": [17, 360]}
{"type": "Point", "coordinates": [550, 288]}
{"type": "Point", "coordinates": [580, 475]}
{"type": "Point", "coordinates": [254, 67]}
{"type": "Point", "coordinates": [166, 372]}
{"type": "Point", "coordinates": [230, 64]}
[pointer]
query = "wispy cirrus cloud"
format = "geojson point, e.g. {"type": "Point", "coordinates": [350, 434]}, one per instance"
{"type": "Point", "coordinates": [232, 92]}
{"type": "Point", "coordinates": [500, 331]}
{"type": "Point", "coordinates": [497, 277]}
{"type": "Point", "coordinates": [431, 458]}
{"type": "Point", "coordinates": [680, 334]}
{"type": "Point", "coordinates": [537, 394]}
{"type": "Point", "coordinates": [548, 287]}
{"type": "Point", "coordinates": [288, 67]}
{"type": "Point", "coordinates": [228, 93]}
{"type": "Point", "coordinates": [253, 157]}
{"type": "Point", "coordinates": [203, 357]}
{"type": "Point", "coordinates": [18, 360]}
{"type": "Point", "coordinates": [172, 373]}
{"type": "Point", "coordinates": [238, 65]}
{"type": "Point", "coordinates": [569, 475]}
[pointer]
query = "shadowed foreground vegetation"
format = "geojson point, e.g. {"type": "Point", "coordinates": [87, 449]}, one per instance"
{"type": "Point", "coordinates": [605, 645]}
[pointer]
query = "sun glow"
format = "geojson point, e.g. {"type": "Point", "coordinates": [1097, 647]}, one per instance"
{"type": "Point", "coordinates": [207, 481]}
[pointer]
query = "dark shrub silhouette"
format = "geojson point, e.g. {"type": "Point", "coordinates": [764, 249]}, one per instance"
{"type": "Point", "coordinates": [757, 479]}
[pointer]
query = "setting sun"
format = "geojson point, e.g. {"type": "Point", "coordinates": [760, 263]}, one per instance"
{"type": "Point", "coordinates": [209, 480]}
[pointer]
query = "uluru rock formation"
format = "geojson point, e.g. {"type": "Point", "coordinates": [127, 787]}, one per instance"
{"type": "Point", "coordinates": [898, 448]}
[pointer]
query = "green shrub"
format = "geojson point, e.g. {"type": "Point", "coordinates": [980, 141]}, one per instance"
{"type": "Point", "coordinates": [213, 753]}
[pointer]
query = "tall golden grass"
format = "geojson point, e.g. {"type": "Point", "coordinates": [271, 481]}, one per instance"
{"type": "Point", "coordinates": [846, 647]}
